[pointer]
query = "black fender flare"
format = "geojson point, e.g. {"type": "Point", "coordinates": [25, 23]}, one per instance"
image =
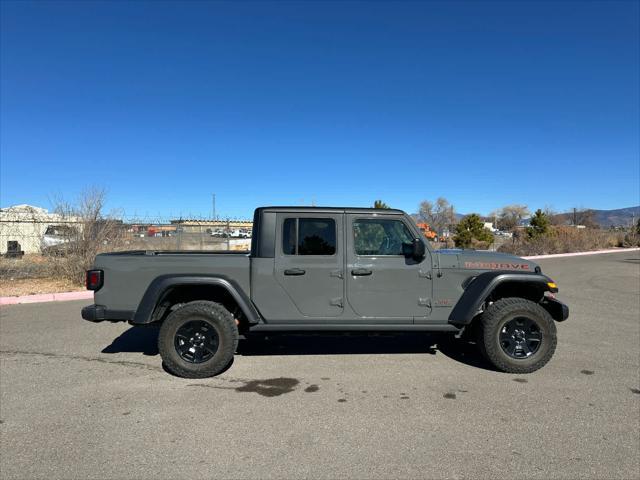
{"type": "Point", "coordinates": [160, 285]}
{"type": "Point", "coordinates": [481, 287]}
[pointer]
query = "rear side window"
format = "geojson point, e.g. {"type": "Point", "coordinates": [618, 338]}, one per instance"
{"type": "Point", "coordinates": [289, 236]}
{"type": "Point", "coordinates": [309, 236]}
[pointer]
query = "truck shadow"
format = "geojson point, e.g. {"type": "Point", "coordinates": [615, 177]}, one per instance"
{"type": "Point", "coordinates": [145, 341]}
{"type": "Point", "coordinates": [136, 339]}
{"type": "Point", "coordinates": [460, 350]}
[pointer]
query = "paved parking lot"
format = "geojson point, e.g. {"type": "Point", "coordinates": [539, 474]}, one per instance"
{"type": "Point", "coordinates": [81, 400]}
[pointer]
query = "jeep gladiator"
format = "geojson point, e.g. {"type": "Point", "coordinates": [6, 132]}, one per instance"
{"type": "Point", "coordinates": [328, 269]}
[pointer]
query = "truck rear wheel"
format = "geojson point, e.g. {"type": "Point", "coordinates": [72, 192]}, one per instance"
{"type": "Point", "coordinates": [517, 335]}
{"type": "Point", "coordinates": [198, 340]}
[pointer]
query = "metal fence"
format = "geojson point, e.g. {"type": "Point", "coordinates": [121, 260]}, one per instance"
{"type": "Point", "coordinates": [190, 235]}
{"type": "Point", "coordinates": [50, 234]}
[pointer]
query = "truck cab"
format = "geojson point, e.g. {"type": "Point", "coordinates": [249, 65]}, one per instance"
{"type": "Point", "coordinates": [340, 266]}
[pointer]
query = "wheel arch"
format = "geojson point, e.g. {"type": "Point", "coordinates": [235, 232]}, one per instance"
{"type": "Point", "coordinates": [167, 290]}
{"type": "Point", "coordinates": [496, 285]}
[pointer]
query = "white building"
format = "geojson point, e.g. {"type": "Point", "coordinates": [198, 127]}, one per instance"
{"type": "Point", "coordinates": [27, 224]}
{"type": "Point", "coordinates": [489, 226]}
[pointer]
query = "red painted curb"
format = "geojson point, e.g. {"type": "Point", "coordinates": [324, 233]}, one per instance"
{"type": "Point", "coordinates": [47, 297]}
{"type": "Point", "coordinates": [577, 254]}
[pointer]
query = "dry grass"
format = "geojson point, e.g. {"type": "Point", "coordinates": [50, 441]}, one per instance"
{"type": "Point", "coordinates": [28, 267]}
{"type": "Point", "coordinates": [569, 240]}
{"type": "Point", "coordinates": [31, 275]}
{"type": "Point", "coordinates": [33, 286]}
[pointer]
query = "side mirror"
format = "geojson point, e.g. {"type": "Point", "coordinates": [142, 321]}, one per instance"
{"type": "Point", "coordinates": [418, 249]}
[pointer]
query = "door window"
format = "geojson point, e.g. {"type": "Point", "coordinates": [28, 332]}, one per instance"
{"type": "Point", "coordinates": [309, 236]}
{"type": "Point", "coordinates": [381, 237]}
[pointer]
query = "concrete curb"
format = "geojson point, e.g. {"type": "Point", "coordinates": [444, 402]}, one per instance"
{"type": "Point", "coordinates": [86, 295]}
{"type": "Point", "coordinates": [577, 254]}
{"type": "Point", "coordinates": [47, 297]}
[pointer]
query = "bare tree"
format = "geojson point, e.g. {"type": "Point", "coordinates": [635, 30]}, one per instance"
{"type": "Point", "coordinates": [89, 231]}
{"type": "Point", "coordinates": [554, 217]}
{"type": "Point", "coordinates": [584, 216]}
{"type": "Point", "coordinates": [438, 215]}
{"type": "Point", "coordinates": [509, 217]}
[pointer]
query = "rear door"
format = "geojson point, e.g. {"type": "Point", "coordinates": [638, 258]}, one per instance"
{"type": "Point", "coordinates": [310, 262]}
{"type": "Point", "coordinates": [382, 282]}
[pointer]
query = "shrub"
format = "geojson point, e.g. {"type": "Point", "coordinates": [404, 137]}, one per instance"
{"type": "Point", "coordinates": [564, 239]}
{"type": "Point", "coordinates": [539, 225]}
{"type": "Point", "coordinates": [470, 233]}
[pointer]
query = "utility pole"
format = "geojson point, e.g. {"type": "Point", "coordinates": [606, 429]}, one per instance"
{"type": "Point", "coordinates": [213, 205]}
{"type": "Point", "coordinates": [574, 216]}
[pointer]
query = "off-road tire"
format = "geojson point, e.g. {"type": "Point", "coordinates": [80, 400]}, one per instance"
{"type": "Point", "coordinates": [216, 316]}
{"type": "Point", "coordinates": [502, 312]}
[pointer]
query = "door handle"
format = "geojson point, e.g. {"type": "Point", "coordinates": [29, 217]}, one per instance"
{"type": "Point", "coordinates": [361, 272]}
{"type": "Point", "coordinates": [294, 271]}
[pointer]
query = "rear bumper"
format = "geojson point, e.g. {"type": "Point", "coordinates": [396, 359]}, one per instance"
{"type": "Point", "coordinates": [99, 313]}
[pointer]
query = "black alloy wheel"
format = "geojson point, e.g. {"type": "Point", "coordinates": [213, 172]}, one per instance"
{"type": "Point", "coordinates": [196, 341]}
{"type": "Point", "coordinates": [520, 337]}
{"type": "Point", "coordinates": [517, 335]}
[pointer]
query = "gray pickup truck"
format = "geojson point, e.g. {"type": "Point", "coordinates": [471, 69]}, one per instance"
{"type": "Point", "coordinates": [328, 269]}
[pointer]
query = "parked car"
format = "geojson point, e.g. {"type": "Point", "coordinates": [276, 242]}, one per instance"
{"type": "Point", "coordinates": [239, 233]}
{"type": "Point", "coordinates": [58, 239]}
{"type": "Point", "coordinates": [218, 232]}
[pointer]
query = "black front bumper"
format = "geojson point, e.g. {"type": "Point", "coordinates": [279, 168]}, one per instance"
{"type": "Point", "coordinates": [558, 310]}
{"type": "Point", "coordinates": [98, 313]}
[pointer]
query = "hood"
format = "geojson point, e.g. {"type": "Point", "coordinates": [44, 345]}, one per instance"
{"type": "Point", "coordinates": [483, 260]}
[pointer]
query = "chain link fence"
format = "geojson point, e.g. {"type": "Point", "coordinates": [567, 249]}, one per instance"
{"type": "Point", "coordinates": [188, 234]}
{"type": "Point", "coordinates": [36, 232]}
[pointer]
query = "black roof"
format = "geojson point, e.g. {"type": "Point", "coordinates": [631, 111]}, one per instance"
{"type": "Point", "coordinates": [295, 209]}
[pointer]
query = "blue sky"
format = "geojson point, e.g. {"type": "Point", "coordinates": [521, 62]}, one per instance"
{"type": "Point", "coordinates": [163, 103]}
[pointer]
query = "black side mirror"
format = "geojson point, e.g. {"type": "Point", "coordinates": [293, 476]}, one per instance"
{"type": "Point", "coordinates": [418, 249]}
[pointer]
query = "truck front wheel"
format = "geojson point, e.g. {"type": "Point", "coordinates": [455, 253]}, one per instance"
{"type": "Point", "coordinates": [517, 335]}
{"type": "Point", "coordinates": [198, 340]}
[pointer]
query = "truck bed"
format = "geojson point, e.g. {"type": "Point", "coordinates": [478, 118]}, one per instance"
{"type": "Point", "coordinates": [128, 274]}
{"type": "Point", "coordinates": [177, 252]}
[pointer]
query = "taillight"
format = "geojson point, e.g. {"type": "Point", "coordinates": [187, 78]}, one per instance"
{"type": "Point", "coordinates": [94, 279]}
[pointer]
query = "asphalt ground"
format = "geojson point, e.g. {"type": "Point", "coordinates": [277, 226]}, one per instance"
{"type": "Point", "coordinates": [82, 400]}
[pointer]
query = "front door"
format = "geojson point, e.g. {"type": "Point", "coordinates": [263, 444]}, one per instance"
{"type": "Point", "coordinates": [382, 281]}
{"type": "Point", "coordinates": [310, 262]}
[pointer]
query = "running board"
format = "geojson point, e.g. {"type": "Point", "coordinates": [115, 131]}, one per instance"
{"type": "Point", "coordinates": [321, 327]}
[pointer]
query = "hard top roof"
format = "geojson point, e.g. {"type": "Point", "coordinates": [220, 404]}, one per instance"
{"type": "Point", "coordinates": [306, 209]}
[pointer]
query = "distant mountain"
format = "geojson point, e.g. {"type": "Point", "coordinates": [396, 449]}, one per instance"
{"type": "Point", "coordinates": [605, 218]}
{"type": "Point", "coordinates": [620, 216]}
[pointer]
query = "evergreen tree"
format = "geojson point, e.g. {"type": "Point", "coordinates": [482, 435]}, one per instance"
{"type": "Point", "coordinates": [539, 224]}
{"type": "Point", "coordinates": [471, 229]}
{"type": "Point", "coordinates": [380, 204]}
